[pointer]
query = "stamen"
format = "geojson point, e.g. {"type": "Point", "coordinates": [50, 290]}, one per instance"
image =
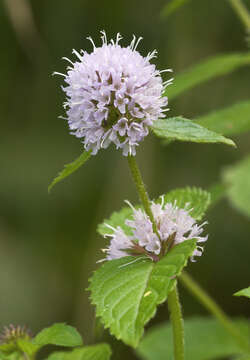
{"type": "Point", "coordinates": [104, 37]}
{"type": "Point", "coordinates": [76, 53]}
{"type": "Point", "coordinates": [132, 42]}
{"type": "Point", "coordinates": [162, 200]}
{"type": "Point", "coordinates": [57, 73]}
{"type": "Point", "coordinates": [92, 42]}
{"type": "Point", "coordinates": [133, 261]}
{"type": "Point", "coordinates": [166, 70]}
{"type": "Point", "coordinates": [137, 43]}
{"type": "Point", "coordinates": [65, 58]}
{"type": "Point", "coordinates": [130, 205]}
{"type": "Point", "coordinates": [105, 137]}
{"type": "Point", "coordinates": [118, 38]}
{"type": "Point", "coordinates": [110, 227]}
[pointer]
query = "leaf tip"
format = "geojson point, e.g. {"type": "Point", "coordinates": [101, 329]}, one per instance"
{"type": "Point", "coordinates": [231, 143]}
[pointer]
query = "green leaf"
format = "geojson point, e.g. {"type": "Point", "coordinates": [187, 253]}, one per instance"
{"type": "Point", "coordinates": [126, 293]}
{"type": "Point", "coordinates": [12, 356]}
{"type": "Point", "coordinates": [206, 70]}
{"type": "Point", "coordinates": [179, 128]}
{"type": "Point", "coordinates": [27, 346]}
{"type": "Point", "coordinates": [19, 346]}
{"type": "Point", "coordinates": [58, 334]}
{"type": "Point", "coordinates": [197, 199]}
{"type": "Point", "coordinates": [8, 347]}
{"type": "Point", "coordinates": [233, 120]}
{"type": "Point", "coordinates": [237, 179]}
{"type": "Point", "coordinates": [205, 339]}
{"type": "Point", "coordinates": [172, 6]}
{"type": "Point", "coordinates": [70, 168]}
{"type": "Point", "coordinates": [93, 352]}
{"type": "Point", "coordinates": [243, 292]}
{"type": "Point", "coordinates": [117, 219]}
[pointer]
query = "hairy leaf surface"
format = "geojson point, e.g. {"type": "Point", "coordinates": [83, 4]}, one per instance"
{"type": "Point", "coordinates": [181, 129]}
{"type": "Point", "coordinates": [126, 293]}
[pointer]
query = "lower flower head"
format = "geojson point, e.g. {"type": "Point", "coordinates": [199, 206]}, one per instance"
{"type": "Point", "coordinates": [174, 225]}
{"type": "Point", "coordinates": [113, 95]}
{"type": "Point", "coordinates": [12, 333]}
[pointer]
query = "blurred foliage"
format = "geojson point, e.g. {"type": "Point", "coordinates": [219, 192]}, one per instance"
{"type": "Point", "coordinates": [205, 338]}
{"type": "Point", "coordinates": [49, 243]}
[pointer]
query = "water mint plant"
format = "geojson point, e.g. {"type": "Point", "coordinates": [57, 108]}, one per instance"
{"type": "Point", "coordinates": [115, 95]}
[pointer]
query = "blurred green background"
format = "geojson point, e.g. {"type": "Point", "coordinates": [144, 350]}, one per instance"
{"type": "Point", "coordinates": [48, 243]}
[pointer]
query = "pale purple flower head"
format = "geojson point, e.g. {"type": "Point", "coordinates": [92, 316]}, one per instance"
{"type": "Point", "coordinates": [113, 95]}
{"type": "Point", "coordinates": [174, 225]}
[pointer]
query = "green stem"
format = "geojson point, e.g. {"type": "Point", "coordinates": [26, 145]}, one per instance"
{"type": "Point", "coordinates": [186, 279]}
{"type": "Point", "coordinates": [177, 323]}
{"type": "Point", "coordinates": [173, 298]}
{"type": "Point", "coordinates": [136, 175]}
{"type": "Point", "coordinates": [211, 306]}
{"type": "Point", "coordinates": [242, 12]}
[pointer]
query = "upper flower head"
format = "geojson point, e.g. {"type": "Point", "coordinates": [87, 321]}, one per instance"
{"type": "Point", "coordinates": [113, 95]}
{"type": "Point", "coordinates": [174, 225]}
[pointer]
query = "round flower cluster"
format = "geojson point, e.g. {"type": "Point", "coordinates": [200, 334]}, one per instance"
{"type": "Point", "coordinates": [174, 225]}
{"type": "Point", "coordinates": [12, 333]}
{"type": "Point", "coordinates": [113, 95]}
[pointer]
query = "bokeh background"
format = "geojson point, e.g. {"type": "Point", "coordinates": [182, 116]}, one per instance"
{"type": "Point", "coordinates": [48, 243]}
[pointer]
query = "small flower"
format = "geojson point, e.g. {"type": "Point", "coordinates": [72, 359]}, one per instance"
{"type": "Point", "coordinates": [12, 333]}
{"type": "Point", "coordinates": [174, 225]}
{"type": "Point", "coordinates": [113, 95]}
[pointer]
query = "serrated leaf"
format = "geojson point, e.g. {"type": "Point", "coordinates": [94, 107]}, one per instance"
{"type": "Point", "coordinates": [198, 200]}
{"type": "Point", "coordinates": [58, 334]}
{"type": "Point", "coordinates": [181, 129]}
{"type": "Point", "coordinates": [116, 219]}
{"type": "Point", "coordinates": [71, 168]}
{"type": "Point", "coordinates": [233, 120]}
{"type": "Point", "coordinates": [126, 293]}
{"type": "Point", "coordinates": [205, 339]}
{"type": "Point", "coordinates": [243, 292]}
{"type": "Point", "coordinates": [237, 180]}
{"type": "Point", "coordinates": [172, 6]}
{"type": "Point", "coordinates": [206, 70]}
{"type": "Point", "coordinates": [93, 352]}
